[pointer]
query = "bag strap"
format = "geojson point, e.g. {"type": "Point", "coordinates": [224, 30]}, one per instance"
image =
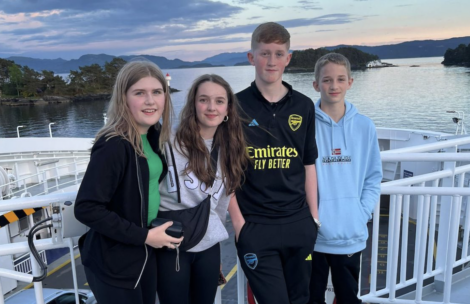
{"type": "Point", "coordinates": [213, 162]}
{"type": "Point", "coordinates": [176, 173]}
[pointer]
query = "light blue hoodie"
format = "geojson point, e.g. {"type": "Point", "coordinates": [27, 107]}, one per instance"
{"type": "Point", "coordinates": [349, 173]}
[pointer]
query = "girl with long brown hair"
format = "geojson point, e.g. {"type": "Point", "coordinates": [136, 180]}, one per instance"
{"type": "Point", "coordinates": [206, 159]}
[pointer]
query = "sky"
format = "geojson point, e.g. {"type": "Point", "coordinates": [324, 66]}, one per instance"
{"type": "Point", "coordinates": [193, 30]}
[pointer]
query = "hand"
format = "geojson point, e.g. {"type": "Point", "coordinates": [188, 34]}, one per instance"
{"type": "Point", "coordinates": [157, 237]}
{"type": "Point", "coordinates": [237, 226]}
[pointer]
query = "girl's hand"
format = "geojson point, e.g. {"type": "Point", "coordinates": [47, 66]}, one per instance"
{"type": "Point", "coordinates": [157, 237]}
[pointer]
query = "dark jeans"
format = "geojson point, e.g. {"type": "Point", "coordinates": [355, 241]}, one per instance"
{"type": "Point", "coordinates": [344, 275]}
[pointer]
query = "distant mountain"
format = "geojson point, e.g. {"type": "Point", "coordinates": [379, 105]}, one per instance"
{"type": "Point", "coordinates": [411, 49]}
{"type": "Point", "coordinates": [39, 64]}
{"type": "Point", "coordinates": [422, 48]}
{"type": "Point", "coordinates": [227, 59]}
{"type": "Point", "coordinates": [65, 66]}
{"type": "Point", "coordinates": [162, 62]}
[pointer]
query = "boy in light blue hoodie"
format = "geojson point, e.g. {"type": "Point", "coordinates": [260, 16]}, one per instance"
{"type": "Point", "coordinates": [349, 173]}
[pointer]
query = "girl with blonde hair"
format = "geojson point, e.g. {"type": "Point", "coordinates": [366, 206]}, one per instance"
{"type": "Point", "coordinates": [119, 197]}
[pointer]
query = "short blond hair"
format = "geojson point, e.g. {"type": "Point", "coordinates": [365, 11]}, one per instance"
{"type": "Point", "coordinates": [333, 58]}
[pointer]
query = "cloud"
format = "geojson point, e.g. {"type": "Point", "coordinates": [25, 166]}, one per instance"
{"type": "Point", "coordinates": [140, 22]}
{"type": "Point", "coordinates": [245, 1]}
{"type": "Point", "coordinates": [121, 27]}
{"type": "Point", "coordinates": [328, 19]}
{"type": "Point", "coordinates": [269, 7]}
{"type": "Point", "coordinates": [23, 31]}
{"type": "Point", "coordinates": [320, 31]}
{"type": "Point", "coordinates": [309, 5]}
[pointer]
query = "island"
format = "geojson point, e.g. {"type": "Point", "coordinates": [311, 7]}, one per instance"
{"type": "Point", "coordinates": [21, 85]}
{"type": "Point", "coordinates": [304, 61]}
{"type": "Point", "coordinates": [459, 56]}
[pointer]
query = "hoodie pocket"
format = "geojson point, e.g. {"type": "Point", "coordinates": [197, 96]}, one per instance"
{"type": "Point", "coordinates": [344, 221]}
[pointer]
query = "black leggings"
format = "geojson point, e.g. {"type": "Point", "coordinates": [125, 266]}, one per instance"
{"type": "Point", "coordinates": [195, 283]}
{"type": "Point", "coordinates": [144, 293]}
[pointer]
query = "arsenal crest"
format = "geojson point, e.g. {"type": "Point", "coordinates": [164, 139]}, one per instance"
{"type": "Point", "coordinates": [295, 121]}
{"type": "Point", "coordinates": [251, 260]}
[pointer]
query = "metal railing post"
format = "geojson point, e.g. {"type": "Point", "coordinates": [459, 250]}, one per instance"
{"type": "Point", "coordinates": [50, 129]}
{"type": "Point", "coordinates": [74, 270]}
{"type": "Point", "coordinates": [18, 130]}
{"type": "Point", "coordinates": [453, 239]}
{"type": "Point", "coordinates": [37, 285]}
{"type": "Point", "coordinates": [240, 284]}
{"type": "Point", "coordinates": [444, 225]}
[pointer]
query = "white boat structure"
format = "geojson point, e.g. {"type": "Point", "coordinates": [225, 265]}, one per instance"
{"type": "Point", "coordinates": [420, 232]}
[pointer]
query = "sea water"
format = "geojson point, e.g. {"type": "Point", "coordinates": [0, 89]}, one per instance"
{"type": "Point", "coordinates": [400, 97]}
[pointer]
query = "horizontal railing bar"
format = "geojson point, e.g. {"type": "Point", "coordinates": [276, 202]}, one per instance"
{"type": "Point", "coordinates": [69, 173]}
{"type": "Point", "coordinates": [21, 160]}
{"type": "Point", "coordinates": [442, 191]}
{"type": "Point", "coordinates": [16, 275]}
{"type": "Point", "coordinates": [20, 247]}
{"type": "Point", "coordinates": [36, 201]}
{"type": "Point", "coordinates": [425, 157]}
{"type": "Point", "coordinates": [427, 177]}
{"type": "Point", "coordinates": [431, 146]}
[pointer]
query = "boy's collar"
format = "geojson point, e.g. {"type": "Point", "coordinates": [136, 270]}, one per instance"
{"type": "Point", "coordinates": [260, 95]}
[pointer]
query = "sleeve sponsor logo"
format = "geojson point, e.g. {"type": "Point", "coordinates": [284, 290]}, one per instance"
{"type": "Point", "coordinates": [272, 157]}
{"type": "Point", "coordinates": [295, 121]}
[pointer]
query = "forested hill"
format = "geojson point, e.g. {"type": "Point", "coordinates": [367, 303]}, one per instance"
{"type": "Point", "coordinates": [306, 59]}
{"type": "Point", "coordinates": [458, 56]}
{"type": "Point", "coordinates": [411, 49]}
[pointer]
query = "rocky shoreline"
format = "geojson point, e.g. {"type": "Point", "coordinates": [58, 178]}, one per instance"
{"type": "Point", "coordinates": [17, 101]}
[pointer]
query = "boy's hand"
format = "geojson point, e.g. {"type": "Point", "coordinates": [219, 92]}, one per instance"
{"type": "Point", "coordinates": [237, 226]}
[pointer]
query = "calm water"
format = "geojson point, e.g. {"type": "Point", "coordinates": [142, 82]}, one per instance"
{"type": "Point", "coordinates": [402, 97]}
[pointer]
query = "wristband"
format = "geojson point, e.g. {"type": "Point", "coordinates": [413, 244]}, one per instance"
{"type": "Point", "coordinates": [317, 222]}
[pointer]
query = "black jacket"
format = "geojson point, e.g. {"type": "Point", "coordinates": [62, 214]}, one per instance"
{"type": "Point", "coordinates": [113, 202]}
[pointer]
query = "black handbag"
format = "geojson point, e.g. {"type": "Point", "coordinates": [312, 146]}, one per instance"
{"type": "Point", "coordinates": [175, 230]}
{"type": "Point", "coordinates": [196, 219]}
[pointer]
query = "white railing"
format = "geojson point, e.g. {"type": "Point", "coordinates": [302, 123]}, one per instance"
{"type": "Point", "coordinates": [69, 166]}
{"type": "Point", "coordinates": [435, 200]}
{"type": "Point", "coordinates": [25, 265]}
{"type": "Point", "coordinates": [417, 197]}
{"type": "Point", "coordinates": [43, 244]}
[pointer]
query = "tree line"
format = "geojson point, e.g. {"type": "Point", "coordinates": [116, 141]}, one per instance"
{"type": "Point", "coordinates": [458, 56]}
{"type": "Point", "coordinates": [22, 81]}
{"type": "Point", "coordinates": [307, 58]}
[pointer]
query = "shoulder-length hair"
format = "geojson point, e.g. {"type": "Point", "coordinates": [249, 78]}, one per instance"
{"type": "Point", "coordinates": [120, 121]}
{"type": "Point", "coordinates": [229, 136]}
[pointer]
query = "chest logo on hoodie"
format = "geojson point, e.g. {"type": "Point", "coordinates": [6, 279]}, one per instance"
{"type": "Point", "coordinates": [336, 151]}
{"type": "Point", "coordinates": [295, 121]}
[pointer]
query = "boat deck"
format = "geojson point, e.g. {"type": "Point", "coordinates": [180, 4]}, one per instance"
{"type": "Point", "coordinates": [460, 293]}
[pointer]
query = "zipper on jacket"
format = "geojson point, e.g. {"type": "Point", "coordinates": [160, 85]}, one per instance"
{"type": "Point", "coordinates": [141, 216]}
